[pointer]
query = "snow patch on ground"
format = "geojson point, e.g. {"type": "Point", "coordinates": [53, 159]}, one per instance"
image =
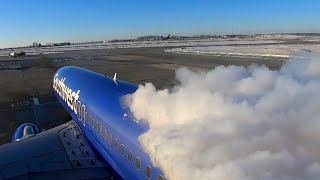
{"type": "Point", "coordinates": [262, 51]}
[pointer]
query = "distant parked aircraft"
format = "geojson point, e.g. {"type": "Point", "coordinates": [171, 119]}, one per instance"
{"type": "Point", "coordinates": [165, 38]}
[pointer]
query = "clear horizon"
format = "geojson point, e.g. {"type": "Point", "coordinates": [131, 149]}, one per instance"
{"type": "Point", "coordinates": [25, 22]}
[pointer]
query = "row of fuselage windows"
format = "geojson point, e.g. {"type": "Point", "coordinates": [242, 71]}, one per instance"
{"type": "Point", "coordinates": [84, 117]}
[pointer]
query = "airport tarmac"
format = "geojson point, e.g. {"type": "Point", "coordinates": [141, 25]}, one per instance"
{"type": "Point", "coordinates": [25, 78]}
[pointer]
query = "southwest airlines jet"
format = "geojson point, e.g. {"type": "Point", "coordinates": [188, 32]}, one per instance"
{"type": "Point", "coordinates": [100, 143]}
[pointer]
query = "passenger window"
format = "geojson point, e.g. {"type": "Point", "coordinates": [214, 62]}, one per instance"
{"type": "Point", "coordinates": [122, 150]}
{"type": "Point", "coordinates": [110, 138]}
{"type": "Point", "coordinates": [85, 118]}
{"type": "Point", "coordinates": [83, 114]}
{"type": "Point", "coordinates": [89, 119]}
{"type": "Point", "coordinates": [80, 113]}
{"type": "Point", "coordinates": [148, 172]}
{"type": "Point", "coordinates": [130, 157]}
{"type": "Point", "coordinates": [115, 143]}
{"type": "Point", "coordinates": [105, 134]}
{"type": "Point", "coordinates": [97, 125]}
{"type": "Point", "coordinates": [138, 163]}
{"type": "Point", "coordinates": [79, 110]}
{"type": "Point", "coordinates": [160, 177]}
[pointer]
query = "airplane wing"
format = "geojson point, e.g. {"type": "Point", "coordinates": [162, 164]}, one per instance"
{"type": "Point", "coordinates": [62, 152]}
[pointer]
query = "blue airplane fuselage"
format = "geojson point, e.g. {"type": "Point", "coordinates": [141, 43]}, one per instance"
{"type": "Point", "coordinates": [96, 103]}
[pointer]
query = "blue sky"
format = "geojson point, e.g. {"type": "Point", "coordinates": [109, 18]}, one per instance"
{"type": "Point", "coordinates": [25, 21]}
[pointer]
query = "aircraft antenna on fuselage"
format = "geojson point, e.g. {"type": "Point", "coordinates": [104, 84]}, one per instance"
{"type": "Point", "coordinates": [115, 78]}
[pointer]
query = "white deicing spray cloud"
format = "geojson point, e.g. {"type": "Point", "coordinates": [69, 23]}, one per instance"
{"type": "Point", "coordinates": [235, 123]}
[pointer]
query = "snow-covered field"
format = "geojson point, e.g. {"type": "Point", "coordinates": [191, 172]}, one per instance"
{"type": "Point", "coordinates": [307, 38]}
{"type": "Point", "coordinates": [279, 51]}
{"type": "Point", "coordinates": [61, 49]}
